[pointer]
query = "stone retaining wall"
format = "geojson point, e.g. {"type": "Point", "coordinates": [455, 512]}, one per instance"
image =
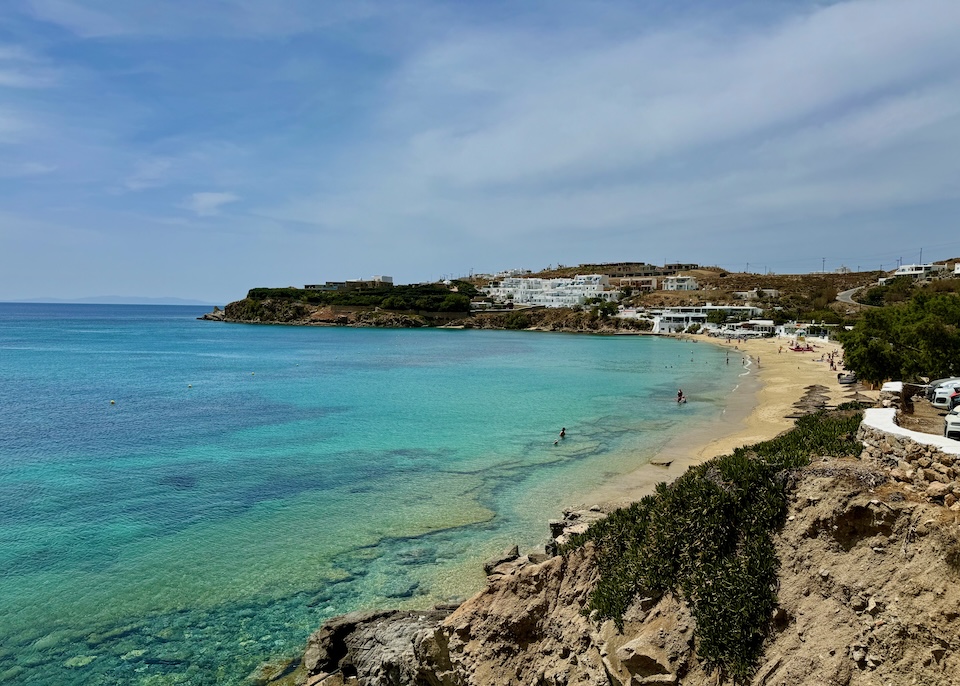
{"type": "Point", "coordinates": [924, 463]}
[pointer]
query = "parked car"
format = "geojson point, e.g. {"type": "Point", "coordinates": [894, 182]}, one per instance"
{"type": "Point", "coordinates": [941, 397]}
{"type": "Point", "coordinates": [951, 424]}
{"type": "Point", "coordinates": [934, 385]}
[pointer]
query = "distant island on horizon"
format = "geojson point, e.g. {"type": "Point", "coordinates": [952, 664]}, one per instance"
{"type": "Point", "coordinates": [116, 300]}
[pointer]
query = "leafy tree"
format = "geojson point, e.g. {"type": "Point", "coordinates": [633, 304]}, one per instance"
{"type": "Point", "coordinates": [465, 287]}
{"type": "Point", "coordinates": [779, 316]}
{"type": "Point", "coordinates": [608, 309]}
{"type": "Point", "coordinates": [717, 317]}
{"type": "Point", "coordinates": [395, 303]}
{"type": "Point", "coordinates": [825, 316]}
{"type": "Point", "coordinates": [516, 320]}
{"type": "Point", "coordinates": [455, 302]}
{"type": "Point", "coordinates": [918, 338]}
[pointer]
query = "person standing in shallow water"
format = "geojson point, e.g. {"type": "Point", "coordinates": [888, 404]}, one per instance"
{"type": "Point", "coordinates": [563, 432]}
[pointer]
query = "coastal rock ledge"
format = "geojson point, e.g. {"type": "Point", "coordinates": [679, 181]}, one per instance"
{"type": "Point", "coordinates": [868, 594]}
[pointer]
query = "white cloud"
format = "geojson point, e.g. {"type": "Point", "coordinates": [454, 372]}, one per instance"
{"type": "Point", "coordinates": [209, 204]}
{"type": "Point", "coordinates": [21, 69]}
{"type": "Point", "coordinates": [477, 132]}
{"type": "Point", "coordinates": [150, 173]}
{"type": "Point", "coordinates": [13, 170]}
{"type": "Point", "coordinates": [632, 104]}
{"type": "Point", "coordinates": [494, 135]}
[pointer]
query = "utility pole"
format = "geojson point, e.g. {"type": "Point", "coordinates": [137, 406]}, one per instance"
{"type": "Point", "coordinates": [921, 255]}
{"type": "Point", "coordinates": [823, 265]}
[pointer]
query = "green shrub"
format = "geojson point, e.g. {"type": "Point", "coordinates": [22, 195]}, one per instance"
{"type": "Point", "coordinates": [708, 538]}
{"type": "Point", "coordinates": [516, 320]}
{"type": "Point", "coordinates": [427, 298]}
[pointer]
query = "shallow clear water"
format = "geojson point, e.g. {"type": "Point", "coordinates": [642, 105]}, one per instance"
{"type": "Point", "coordinates": [250, 481]}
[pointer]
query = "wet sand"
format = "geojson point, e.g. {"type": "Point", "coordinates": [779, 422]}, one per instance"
{"type": "Point", "coordinates": [775, 379]}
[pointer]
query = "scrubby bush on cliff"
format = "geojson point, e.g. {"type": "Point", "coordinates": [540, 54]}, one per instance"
{"type": "Point", "coordinates": [516, 320]}
{"type": "Point", "coordinates": [266, 311]}
{"type": "Point", "coordinates": [427, 298]}
{"type": "Point", "coordinates": [707, 537]}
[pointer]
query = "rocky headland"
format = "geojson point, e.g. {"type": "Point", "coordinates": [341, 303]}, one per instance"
{"type": "Point", "coordinates": [867, 593]}
{"type": "Point", "coordinates": [297, 313]}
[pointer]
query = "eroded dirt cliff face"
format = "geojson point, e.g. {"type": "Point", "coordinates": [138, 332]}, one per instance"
{"type": "Point", "coordinates": [868, 584]}
{"type": "Point", "coordinates": [868, 596]}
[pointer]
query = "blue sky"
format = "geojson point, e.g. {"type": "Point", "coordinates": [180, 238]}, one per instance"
{"type": "Point", "coordinates": [197, 148]}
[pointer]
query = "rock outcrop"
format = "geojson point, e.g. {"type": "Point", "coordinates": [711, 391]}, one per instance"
{"type": "Point", "coordinates": [217, 315]}
{"type": "Point", "coordinates": [297, 313]}
{"type": "Point", "coordinates": [868, 595]}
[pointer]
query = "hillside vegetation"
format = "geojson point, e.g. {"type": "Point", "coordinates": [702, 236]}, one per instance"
{"type": "Point", "coordinates": [918, 338]}
{"type": "Point", "coordinates": [428, 298]}
{"type": "Point", "coordinates": [708, 538]}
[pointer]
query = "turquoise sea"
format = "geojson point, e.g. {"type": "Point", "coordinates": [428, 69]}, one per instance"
{"type": "Point", "coordinates": [182, 500]}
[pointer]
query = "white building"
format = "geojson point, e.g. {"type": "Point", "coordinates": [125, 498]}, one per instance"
{"type": "Point", "coordinates": [750, 327]}
{"type": "Point", "coordinates": [558, 292]}
{"type": "Point", "coordinates": [680, 283]}
{"type": "Point", "coordinates": [674, 319]}
{"type": "Point", "coordinates": [916, 271]}
{"type": "Point", "coordinates": [756, 294]}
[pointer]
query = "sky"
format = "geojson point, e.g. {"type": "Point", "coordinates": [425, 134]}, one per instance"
{"type": "Point", "coordinates": [199, 148]}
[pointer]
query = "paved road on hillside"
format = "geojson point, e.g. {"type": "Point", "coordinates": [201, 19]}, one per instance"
{"type": "Point", "coordinates": [846, 297]}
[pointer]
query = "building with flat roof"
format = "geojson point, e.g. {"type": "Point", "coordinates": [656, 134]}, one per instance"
{"type": "Point", "coordinates": [644, 284]}
{"type": "Point", "coordinates": [353, 284]}
{"type": "Point", "coordinates": [680, 283]}
{"type": "Point", "coordinates": [674, 319]}
{"type": "Point", "coordinates": [624, 269]}
{"type": "Point", "coordinates": [675, 267]}
{"type": "Point", "coordinates": [915, 271]}
{"type": "Point", "coordinates": [557, 292]}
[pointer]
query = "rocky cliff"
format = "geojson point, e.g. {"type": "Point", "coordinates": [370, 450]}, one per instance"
{"type": "Point", "coordinates": [280, 311]}
{"type": "Point", "coordinates": [868, 594]}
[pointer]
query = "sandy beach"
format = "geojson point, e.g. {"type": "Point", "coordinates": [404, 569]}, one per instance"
{"type": "Point", "coordinates": [775, 379]}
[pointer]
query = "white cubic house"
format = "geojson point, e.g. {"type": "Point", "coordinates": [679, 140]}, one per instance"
{"type": "Point", "coordinates": [558, 292]}
{"type": "Point", "coordinates": [680, 283]}
{"type": "Point", "coordinates": [915, 271]}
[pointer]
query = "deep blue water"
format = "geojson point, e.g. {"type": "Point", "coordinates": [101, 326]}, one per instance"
{"type": "Point", "coordinates": [181, 500]}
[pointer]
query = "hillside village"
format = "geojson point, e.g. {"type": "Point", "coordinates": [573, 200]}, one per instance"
{"type": "Point", "coordinates": [631, 296]}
